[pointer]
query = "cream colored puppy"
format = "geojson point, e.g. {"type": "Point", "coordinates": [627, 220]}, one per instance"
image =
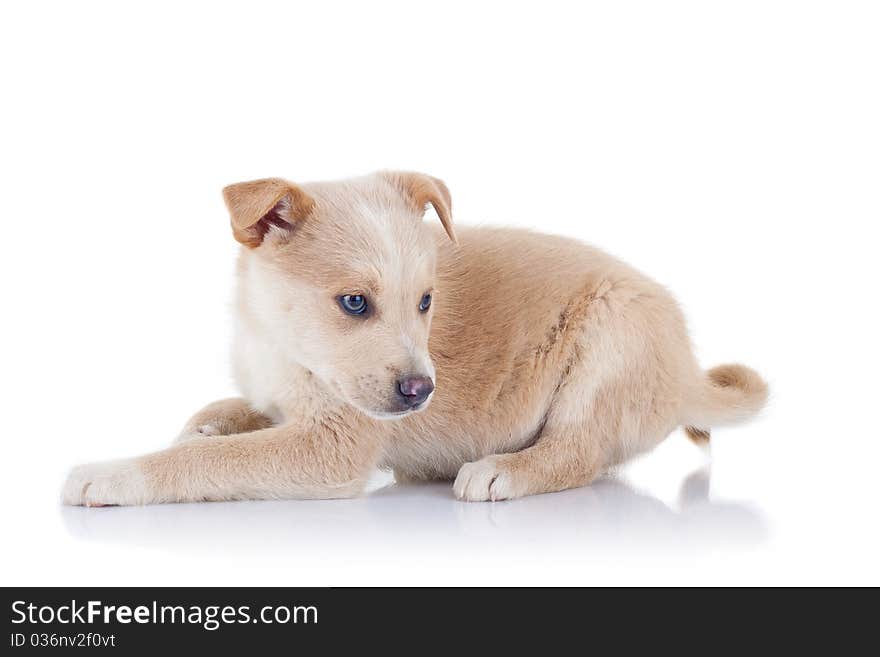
{"type": "Point", "coordinates": [512, 362]}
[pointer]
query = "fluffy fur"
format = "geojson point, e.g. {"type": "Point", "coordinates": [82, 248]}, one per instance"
{"type": "Point", "coordinates": [552, 360]}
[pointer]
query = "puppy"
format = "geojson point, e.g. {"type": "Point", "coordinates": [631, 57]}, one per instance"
{"type": "Point", "coordinates": [510, 362]}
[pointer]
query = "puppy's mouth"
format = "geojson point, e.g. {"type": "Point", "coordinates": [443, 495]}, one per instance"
{"type": "Point", "coordinates": [397, 413]}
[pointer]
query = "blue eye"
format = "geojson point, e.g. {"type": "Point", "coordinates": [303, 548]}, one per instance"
{"type": "Point", "coordinates": [353, 304]}
{"type": "Point", "coordinates": [425, 303]}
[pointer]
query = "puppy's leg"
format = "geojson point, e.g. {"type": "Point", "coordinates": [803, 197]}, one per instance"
{"type": "Point", "coordinates": [619, 395]}
{"type": "Point", "coordinates": [329, 461]}
{"type": "Point", "coordinates": [567, 453]}
{"type": "Point", "coordinates": [564, 456]}
{"type": "Point", "coordinates": [224, 418]}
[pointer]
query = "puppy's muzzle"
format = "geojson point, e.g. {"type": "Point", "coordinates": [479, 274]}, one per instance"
{"type": "Point", "coordinates": [414, 390]}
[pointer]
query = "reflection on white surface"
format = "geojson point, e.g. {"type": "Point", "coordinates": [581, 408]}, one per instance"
{"type": "Point", "coordinates": [610, 515]}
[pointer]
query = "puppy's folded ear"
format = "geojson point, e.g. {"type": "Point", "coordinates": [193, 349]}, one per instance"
{"type": "Point", "coordinates": [420, 189]}
{"type": "Point", "coordinates": [270, 206]}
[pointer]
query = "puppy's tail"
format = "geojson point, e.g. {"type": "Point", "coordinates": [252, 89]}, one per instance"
{"type": "Point", "coordinates": [725, 395]}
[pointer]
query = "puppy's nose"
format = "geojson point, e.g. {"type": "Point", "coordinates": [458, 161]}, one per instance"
{"type": "Point", "coordinates": [415, 389]}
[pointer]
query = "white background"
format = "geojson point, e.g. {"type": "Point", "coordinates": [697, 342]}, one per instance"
{"type": "Point", "coordinates": [731, 150]}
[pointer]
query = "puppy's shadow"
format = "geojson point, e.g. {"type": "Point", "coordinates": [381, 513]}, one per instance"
{"type": "Point", "coordinates": [610, 514]}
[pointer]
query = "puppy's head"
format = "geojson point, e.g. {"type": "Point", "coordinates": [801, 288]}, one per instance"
{"type": "Point", "coordinates": [341, 275]}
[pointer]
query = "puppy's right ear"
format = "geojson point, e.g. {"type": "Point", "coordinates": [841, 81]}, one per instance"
{"type": "Point", "coordinates": [261, 207]}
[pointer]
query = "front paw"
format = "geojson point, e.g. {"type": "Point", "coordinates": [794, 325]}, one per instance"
{"type": "Point", "coordinates": [486, 480]}
{"type": "Point", "coordinates": [205, 430]}
{"type": "Point", "coordinates": [110, 483]}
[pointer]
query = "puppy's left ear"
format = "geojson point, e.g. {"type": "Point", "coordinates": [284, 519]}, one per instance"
{"type": "Point", "coordinates": [421, 189]}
